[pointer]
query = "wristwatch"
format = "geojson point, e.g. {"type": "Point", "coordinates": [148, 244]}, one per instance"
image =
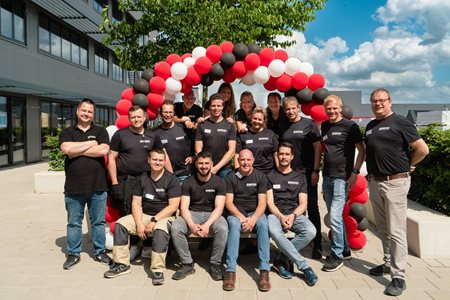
{"type": "Point", "coordinates": [153, 219]}
{"type": "Point", "coordinates": [356, 171]}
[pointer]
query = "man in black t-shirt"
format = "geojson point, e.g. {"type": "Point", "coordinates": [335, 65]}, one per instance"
{"type": "Point", "coordinates": [85, 146]}
{"type": "Point", "coordinates": [340, 171]}
{"type": "Point", "coordinates": [187, 112]}
{"type": "Point", "coordinates": [287, 201]}
{"type": "Point", "coordinates": [202, 204]}
{"type": "Point", "coordinates": [246, 203]}
{"type": "Point", "coordinates": [155, 202]}
{"type": "Point", "coordinates": [394, 148]}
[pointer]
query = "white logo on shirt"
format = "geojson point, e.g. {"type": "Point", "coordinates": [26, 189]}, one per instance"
{"type": "Point", "coordinates": [145, 141]}
{"type": "Point", "coordinates": [91, 137]}
{"type": "Point", "coordinates": [369, 132]}
{"type": "Point", "coordinates": [149, 196]}
{"type": "Point", "coordinates": [221, 130]}
{"type": "Point", "coordinates": [383, 128]}
{"type": "Point", "coordinates": [207, 130]}
{"type": "Point", "coordinates": [293, 182]}
{"type": "Point", "coordinates": [164, 141]}
{"type": "Point", "coordinates": [250, 184]}
{"type": "Point", "coordinates": [276, 186]}
{"type": "Point", "coordinates": [159, 190]}
{"type": "Point", "coordinates": [179, 138]}
{"type": "Point", "coordinates": [210, 191]}
{"type": "Point", "coordinates": [297, 131]}
{"type": "Point", "coordinates": [336, 133]}
{"type": "Point", "coordinates": [263, 139]}
{"type": "Point", "coordinates": [249, 141]}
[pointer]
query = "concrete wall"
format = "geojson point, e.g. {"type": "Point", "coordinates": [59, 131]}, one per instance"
{"type": "Point", "coordinates": [33, 130]}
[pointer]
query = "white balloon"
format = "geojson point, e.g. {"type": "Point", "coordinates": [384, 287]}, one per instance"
{"type": "Point", "coordinates": [276, 68]}
{"type": "Point", "coordinates": [189, 61]}
{"type": "Point", "coordinates": [169, 97]}
{"type": "Point", "coordinates": [249, 78]}
{"type": "Point", "coordinates": [198, 52]}
{"type": "Point", "coordinates": [178, 70]}
{"type": "Point", "coordinates": [307, 68]}
{"type": "Point", "coordinates": [293, 65]}
{"type": "Point", "coordinates": [109, 241]}
{"type": "Point", "coordinates": [111, 129]}
{"type": "Point", "coordinates": [262, 74]}
{"type": "Point", "coordinates": [173, 86]}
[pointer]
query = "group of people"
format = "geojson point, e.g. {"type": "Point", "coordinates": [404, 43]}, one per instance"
{"type": "Point", "coordinates": [220, 173]}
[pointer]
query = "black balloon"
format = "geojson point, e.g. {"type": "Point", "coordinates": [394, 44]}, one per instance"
{"type": "Point", "coordinates": [320, 94]}
{"type": "Point", "coordinates": [207, 80]}
{"type": "Point", "coordinates": [290, 92]}
{"type": "Point", "coordinates": [227, 60]}
{"type": "Point", "coordinates": [304, 96]}
{"type": "Point", "coordinates": [347, 112]}
{"type": "Point", "coordinates": [254, 48]}
{"type": "Point", "coordinates": [240, 51]}
{"type": "Point", "coordinates": [217, 71]}
{"type": "Point", "coordinates": [141, 86]}
{"type": "Point", "coordinates": [140, 100]}
{"type": "Point", "coordinates": [147, 74]}
{"type": "Point", "coordinates": [358, 211]}
{"type": "Point", "coordinates": [363, 224]}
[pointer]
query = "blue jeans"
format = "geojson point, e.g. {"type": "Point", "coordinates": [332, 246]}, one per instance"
{"type": "Point", "coordinates": [224, 172]}
{"type": "Point", "coordinates": [75, 203]}
{"type": "Point", "coordinates": [335, 195]}
{"type": "Point", "coordinates": [234, 234]}
{"type": "Point", "coordinates": [304, 233]}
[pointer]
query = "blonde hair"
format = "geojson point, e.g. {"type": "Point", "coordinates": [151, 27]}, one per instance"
{"type": "Point", "coordinates": [335, 98]}
{"type": "Point", "coordinates": [260, 110]}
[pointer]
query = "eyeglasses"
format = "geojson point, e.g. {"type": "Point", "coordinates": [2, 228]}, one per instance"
{"type": "Point", "coordinates": [375, 101]}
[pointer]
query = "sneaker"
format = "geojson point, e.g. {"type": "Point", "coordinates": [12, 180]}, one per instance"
{"type": "Point", "coordinates": [135, 251]}
{"type": "Point", "coordinates": [146, 252]}
{"type": "Point", "coordinates": [332, 263]}
{"type": "Point", "coordinates": [117, 270]}
{"type": "Point", "coordinates": [346, 255]}
{"type": "Point", "coordinates": [396, 287]}
{"type": "Point", "coordinates": [380, 270]}
{"type": "Point", "coordinates": [71, 261]}
{"type": "Point", "coordinates": [310, 277]}
{"type": "Point", "coordinates": [103, 258]}
{"type": "Point", "coordinates": [317, 253]}
{"type": "Point", "coordinates": [216, 272]}
{"type": "Point", "coordinates": [183, 271]}
{"type": "Point", "coordinates": [281, 270]}
{"type": "Point", "coordinates": [157, 278]}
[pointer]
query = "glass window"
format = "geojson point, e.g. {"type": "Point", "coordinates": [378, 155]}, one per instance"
{"type": "Point", "coordinates": [44, 34]}
{"type": "Point", "coordinates": [84, 52]}
{"type": "Point", "coordinates": [101, 61]}
{"type": "Point", "coordinates": [19, 21]}
{"type": "Point", "coordinates": [6, 16]}
{"type": "Point", "coordinates": [45, 125]}
{"type": "Point", "coordinates": [75, 48]}
{"type": "Point", "coordinates": [116, 14]}
{"type": "Point", "coordinates": [117, 70]}
{"type": "Point", "coordinates": [55, 39]}
{"type": "Point", "coordinates": [66, 44]}
{"type": "Point", "coordinates": [12, 19]}
{"type": "Point", "coordinates": [99, 5]}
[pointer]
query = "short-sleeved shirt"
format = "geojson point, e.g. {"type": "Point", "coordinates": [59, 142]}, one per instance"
{"type": "Point", "coordinates": [387, 145]}
{"type": "Point", "coordinates": [84, 174]}
{"type": "Point", "coordinates": [279, 125]}
{"type": "Point", "coordinates": [246, 189]}
{"type": "Point", "coordinates": [286, 188]}
{"type": "Point", "coordinates": [193, 113]}
{"type": "Point", "coordinates": [179, 145]}
{"type": "Point", "coordinates": [339, 140]}
{"type": "Point", "coordinates": [215, 137]}
{"type": "Point", "coordinates": [241, 116]}
{"type": "Point", "coordinates": [263, 145]}
{"type": "Point", "coordinates": [133, 149]}
{"type": "Point", "coordinates": [203, 194]}
{"type": "Point", "coordinates": [156, 194]}
{"type": "Point", "coordinates": [302, 134]}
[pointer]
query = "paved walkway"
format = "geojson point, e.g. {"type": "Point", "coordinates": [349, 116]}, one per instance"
{"type": "Point", "coordinates": [33, 239]}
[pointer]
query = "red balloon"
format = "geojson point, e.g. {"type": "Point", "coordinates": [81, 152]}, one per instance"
{"type": "Point", "coordinates": [229, 76]}
{"type": "Point", "coordinates": [252, 61]}
{"type": "Point", "coordinates": [350, 224]}
{"type": "Point", "coordinates": [316, 81]}
{"type": "Point", "coordinates": [306, 108]}
{"type": "Point", "coordinates": [226, 46]}
{"type": "Point", "coordinates": [186, 55]}
{"type": "Point", "coordinates": [128, 93]}
{"type": "Point", "coordinates": [152, 113]}
{"type": "Point", "coordinates": [318, 113]}
{"type": "Point", "coordinates": [111, 226]}
{"type": "Point", "coordinates": [123, 106]}
{"type": "Point", "coordinates": [359, 187]}
{"type": "Point", "coordinates": [360, 198]}
{"type": "Point", "coordinates": [266, 55]}
{"type": "Point", "coordinates": [122, 122]}
{"type": "Point", "coordinates": [299, 80]}
{"type": "Point", "coordinates": [173, 58]}
{"type": "Point", "coordinates": [162, 69]}
{"type": "Point", "coordinates": [357, 240]}
{"type": "Point", "coordinates": [157, 85]}
{"type": "Point", "coordinates": [185, 88]}
{"type": "Point", "coordinates": [154, 101]}
{"type": "Point", "coordinates": [283, 83]}
{"type": "Point", "coordinates": [112, 214]}
{"type": "Point", "coordinates": [270, 85]}
{"type": "Point", "coordinates": [203, 65]}
{"type": "Point", "coordinates": [192, 77]}
{"type": "Point", "coordinates": [346, 209]}
{"type": "Point", "coordinates": [214, 53]}
{"type": "Point", "coordinates": [281, 54]}
{"type": "Point", "coordinates": [239, 69]}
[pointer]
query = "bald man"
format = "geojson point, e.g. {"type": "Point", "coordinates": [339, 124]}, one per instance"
{"type": "Point", "coordinates": [246, 203]}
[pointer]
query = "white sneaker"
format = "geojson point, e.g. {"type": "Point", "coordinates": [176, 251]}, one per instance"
{"type": "Point", "coordinates": [135, 251]}
{"type": "Point", "coordinates": [146, 252]}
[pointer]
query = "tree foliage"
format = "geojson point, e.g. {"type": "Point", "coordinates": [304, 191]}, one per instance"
{"type": "Point", "coordinates": [182, 25]}
{"type": "Point", "coordinates": [55, 155]}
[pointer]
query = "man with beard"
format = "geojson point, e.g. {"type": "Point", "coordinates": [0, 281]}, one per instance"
{"type": "Point", "coordinates": [187, 112]}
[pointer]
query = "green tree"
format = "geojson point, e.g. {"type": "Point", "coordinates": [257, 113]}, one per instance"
{"type": "Point", "coordinates": [183, 25]}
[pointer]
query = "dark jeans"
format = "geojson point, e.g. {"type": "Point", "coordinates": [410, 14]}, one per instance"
{"type": "Point", "coordinates": [313, 210]}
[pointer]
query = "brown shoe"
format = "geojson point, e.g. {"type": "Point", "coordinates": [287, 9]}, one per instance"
{"type": "Point", "coordinates": [229, 281]}
{"type": "Point", "coordinates": [264, 282]}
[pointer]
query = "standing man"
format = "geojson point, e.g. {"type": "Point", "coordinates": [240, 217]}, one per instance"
{"type": "Point", "coordinates": [85, 146]}
{"type": "Point", "coordinates": [218, 137]}
{"type": "Point", "coordinates": [304, 135]}
{"type": "Point", "coordinates": [127, 160]}
{"type": "Point", "coordinates": [202, 203]}
{"type": "Point", "coordinates": [187, 112]}
{"type": "Point", "coordinates": [246, 203]}
{"type": "Point", "coordinates": [340, 171]}
{"type": "Point", "coordinates": [394, 148]}
{"type": "Point", "coordinates": [155, 202]}
{"type": "Point", "coordinates": [287, 201]}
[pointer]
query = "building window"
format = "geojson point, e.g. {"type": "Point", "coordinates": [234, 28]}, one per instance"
{"type": "Point", "coordinates": [117, 70]}
{"type": "Point", "coordinates": [12, 19]}
{"type": "Point", "coordinates": [101, 61]}
{"type": "Point", "coordinates": [99, 5]}
{"type": "Point", "coordinates": [117, 15]}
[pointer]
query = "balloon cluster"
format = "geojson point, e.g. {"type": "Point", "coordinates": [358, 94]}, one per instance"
{"type": "Point", "coordinates": [111, 216]}
{"type": "Point", "coordinates": [355, 213]}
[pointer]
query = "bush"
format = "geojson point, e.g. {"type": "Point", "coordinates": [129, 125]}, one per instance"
{"type": "Point", "coordinates": [55, 155]}
{"type": "Point", "coordinates": [430, 182]}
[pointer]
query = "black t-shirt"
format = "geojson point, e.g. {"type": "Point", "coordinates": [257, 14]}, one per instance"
{"type": "Point", "coordinates": [246, 189]}
{"type": "Point", "coordinates": [215, 137]}
{"type": "Point", "coordinates": [179, 145]}
{"type": "Point", "coordinates": [203, 194]}
{"type": "Point", "coordinates": [387, 145]}
{"type": "Point", "coordinates": [280, 125]}
{"type": "Point", "coordinates": [133, 149]}
{"type": "Point", "coordinates": [193, 113]}
{"type": "Point", "coordinates": [242, 117]}
{"type": "Point", "coordinates": [302, 134]}
{"type": "Point", "coordinates": [84, 174]}
{"type": "Point", "coordinates": [156, 194]}
{"type": "Point", "coordinates": [263, 145]}
{"type": "Point", "coordinates": [339, 140]}
{"type": "Point", "coordinates": [286, 188]}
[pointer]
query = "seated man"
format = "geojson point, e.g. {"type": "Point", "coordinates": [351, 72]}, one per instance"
{"type": "Point", "coordinates": [202, 204]}
{"type": "Point", "coordinates": [287, 202]}
{"type": "Point", "coordinates": [246, 203]}
{"type": "Point", "coordinates": [155, 201]}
